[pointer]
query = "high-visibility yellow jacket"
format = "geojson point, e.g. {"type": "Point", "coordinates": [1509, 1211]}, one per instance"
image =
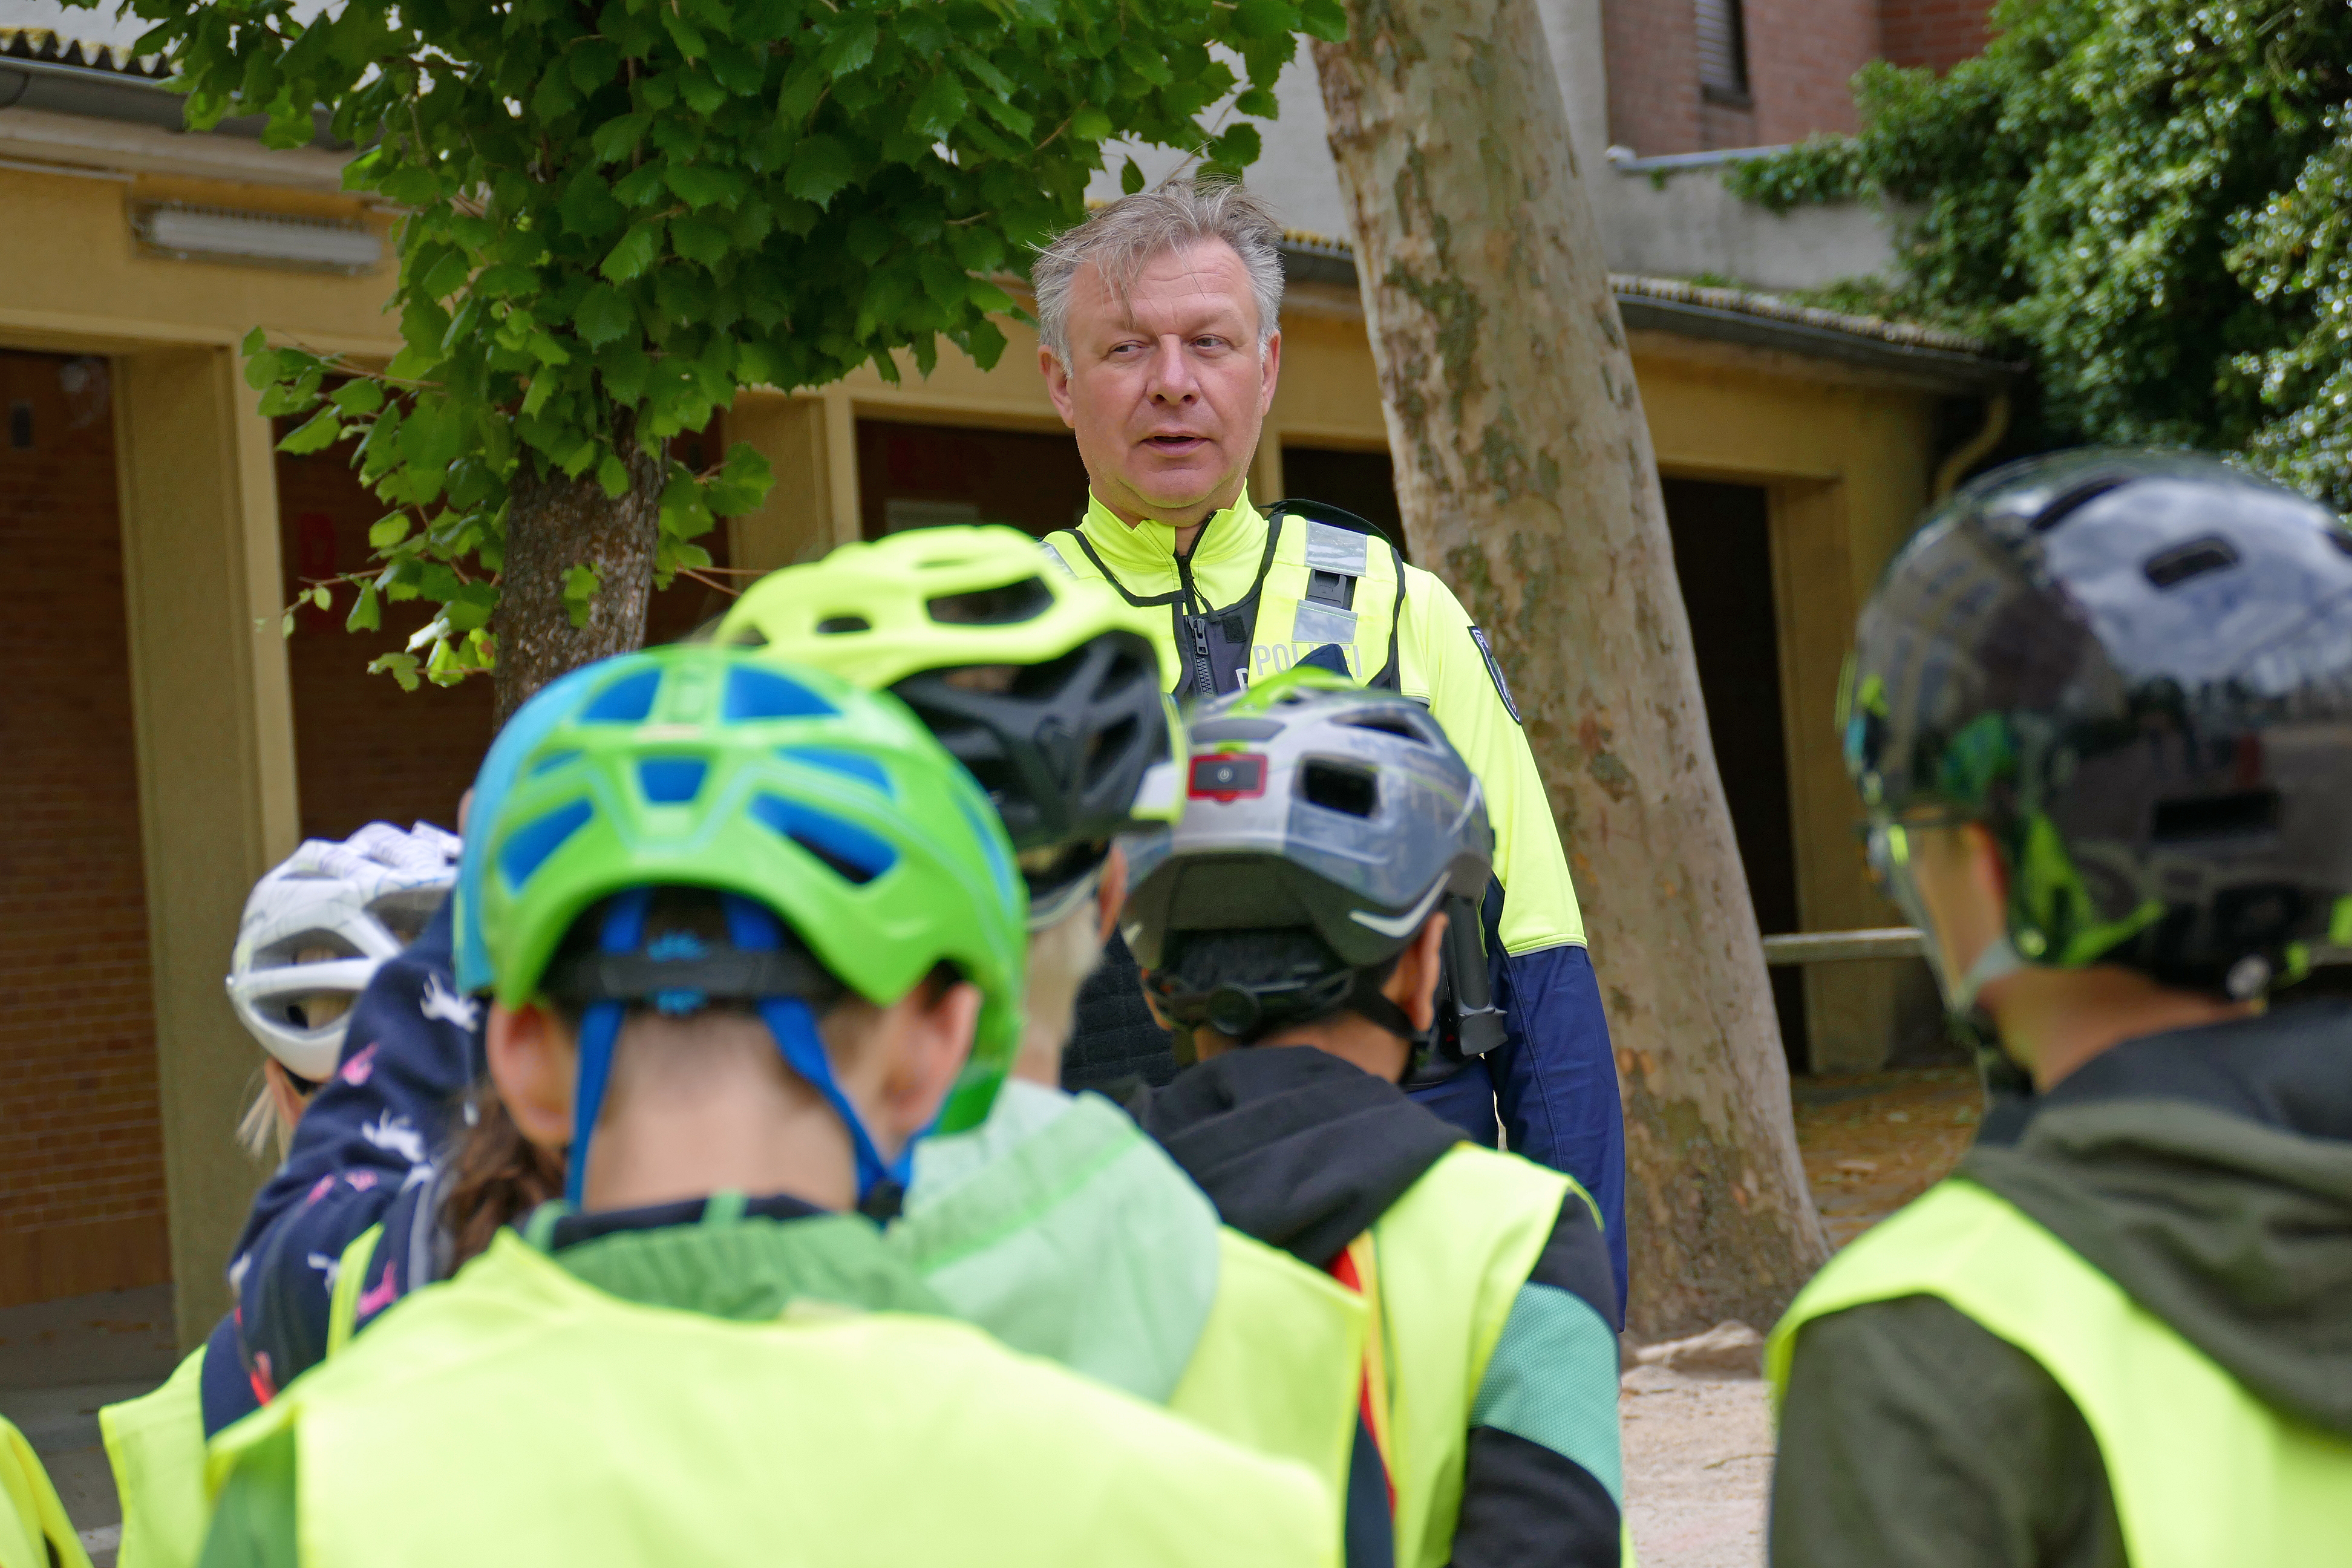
{"type": "Point", "coordinates": [2202, 1471]}
{"type": "Point", "coordinates": [1252, 599]}
{"type": "Point", "coordinates": [551, 1423]}
{"type": "Point", "coordinates": [34, 1530]}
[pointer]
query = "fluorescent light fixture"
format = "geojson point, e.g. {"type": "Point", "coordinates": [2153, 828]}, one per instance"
{"type": "Point", "coordinates": [258, 240]}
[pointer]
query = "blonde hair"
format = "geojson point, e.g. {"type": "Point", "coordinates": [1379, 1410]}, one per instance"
{"type": "Point", "coordinates": [1122, 238]}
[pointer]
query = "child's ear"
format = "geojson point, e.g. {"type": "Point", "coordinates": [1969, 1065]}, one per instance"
{"type": "Point", "coordinates": [1413, 986]}
{"type": "Point", "coordinates": [928, 1054]}
{"type": "Point", "coordinates": [534, 1061]}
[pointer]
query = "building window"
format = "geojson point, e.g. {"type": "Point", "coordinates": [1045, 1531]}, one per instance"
{"type": "Point", "coordinates": [1723, 52]}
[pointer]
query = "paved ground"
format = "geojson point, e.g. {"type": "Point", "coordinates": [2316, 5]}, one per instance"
{"type": "Point", "coordinates": [59, 1360]}
{"type": "Point", "coordinates": [1698, 1451]}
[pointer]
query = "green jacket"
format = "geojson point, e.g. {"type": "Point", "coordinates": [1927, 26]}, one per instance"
{"type": "Point", "coordinates": [2207, 1173]}
{"type": "Point", "coordinates": [1064, 1231]}
{"type": "Point", "coordinates": [697, 1392]}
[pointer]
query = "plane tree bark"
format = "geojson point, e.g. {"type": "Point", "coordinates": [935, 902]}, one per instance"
{"type": "Point", "coordinates": [1526, 475]}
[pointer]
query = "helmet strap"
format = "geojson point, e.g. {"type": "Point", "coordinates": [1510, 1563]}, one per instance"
{"type": "Point", "coordinates": [880, 1183]}
{"type": "Point", "coordinates": [599, 1031]}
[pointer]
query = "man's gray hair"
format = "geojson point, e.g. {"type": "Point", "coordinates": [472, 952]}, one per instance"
{"type": "Point", "coordinates": [1133, 231]}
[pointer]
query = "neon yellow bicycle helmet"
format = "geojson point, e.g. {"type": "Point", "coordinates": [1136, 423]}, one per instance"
{"type": "Point", "coordinates": [1047, 688]}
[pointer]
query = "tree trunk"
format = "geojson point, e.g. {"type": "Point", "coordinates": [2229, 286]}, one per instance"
{"type": "Point", "coordinates": [1524, 469]}
{"type": "Point", "coordinates": [553, 524]}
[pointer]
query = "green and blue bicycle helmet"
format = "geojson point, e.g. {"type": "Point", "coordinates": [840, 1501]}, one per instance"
{"type": "Point", "coordinates": [848, 851]}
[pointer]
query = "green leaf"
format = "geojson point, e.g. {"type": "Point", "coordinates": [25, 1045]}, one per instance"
{"type": "Point", "coordinates": [367, 613]}
{"type": "Point", "coordinates": [700, 184]}
{"type": "Point", "coordinates": [698, 240]}
{"type": "Point", "coordinates": [588, 206]}
{"type": "Point", "coordinates": [624, 367]}
{"type": "Point", "coordinates": [448, 276]}
{"type": "Point", "coordinates": [400, 667]}
{"type": "Point", "coordinates": [1131, 178]}
{"type": "Point", "coordinates": [323, 596]}
{"type": "Point", "coordinates": [617, 139]}
{"type": "Point", "coordinates": [941, 107]}
{"type": "Point", "coordinates": [1324, 19]}
{"type": "Point", "coordinates": [388, 531]}
{"type": "Point", "coordinates": [612, 475]}
{"type": "Point", "coordinates": [1088, 124]}
{"type": "Point", "coordinates": [1260, 103]}
{"type": "Point", "coordinates": [1262, 18]}
{"type": "Point", "coordinates": [820, 167]}
{"type": "Point", "coordinates": [850, 46]}
{"type": "Point", "coordinates": [359, 396]}
{"type": "Point", "coordinates": [593, 62]}
{"type": "Point", "coordinates": [324, 429]}
{"type": "Point", "coordinates": [635, 253]}
{"type": "Point", "coordinates": [255, 341]}
{"type": "Point", "coordinates": [286, 625]}
{"type": "Point", "coordinates": [581, 584]}
{"type": "Point", "coordinates": [602, 315]}
{"type": "Point", "coordinates": [702, 93]}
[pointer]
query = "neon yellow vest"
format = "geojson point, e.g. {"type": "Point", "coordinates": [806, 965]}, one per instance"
{"type": "Point", "coordinates": [2203, 1472]}
{"type": "Point", "coordinates": [552, 1423]}
{"type": "Point", "coordinates": [155, 1444]}
{"type": "Point", "coordinates": [1316, 584]}
{"type": "Point", "coordinates": [1443, 1267]}
{"type": "Point", "coordinates": [33, 1522]}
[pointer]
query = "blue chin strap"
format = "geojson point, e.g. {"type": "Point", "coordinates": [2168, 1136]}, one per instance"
{"type": "Point", "coordinates": [752, 929]}
{"type": "Point", "coordinates": [600, 1030]}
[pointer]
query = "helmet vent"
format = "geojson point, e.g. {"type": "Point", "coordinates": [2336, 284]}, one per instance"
{"type": "Point", "coordinates": [1005, 606]}
{"type": "Point", "coordinates": [2173, 567]}
{"type": "Point", "coordinates": [849, 764]}
{"type": "Point", "coordinates": [759, 694]}
{"type": "Point", "coordinates": [1336, 788]}
{"type": "Point", "coordinates": [626, 701]}
{"type": "Point", "coordinates": [2068, 502]}
{"type": "Point", "coordinates": [2244, 813]}
{"type": "Point", "coordinates": [838, 625]}
{"type": "Point", "coordinates": [528, 847]}
{"type": "Point", "coordinates": [671, 781]}
{"type": "Point", "coordinates": [1395, 724]}
{"type": "Point", "coordinates": [749, 636]}
{"type": "Point", "coordinates": [852, 852]}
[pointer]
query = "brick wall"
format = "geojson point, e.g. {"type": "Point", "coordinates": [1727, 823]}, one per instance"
{"type": "Point", "coordinates": [1938, 34]}
{"type": "Point", "coordinates": [1652, 51]}
{"type": "Point", "coordinates": [363, 749]}
{"type": "Point", "coordinates": [1801, 56]}
{"type": "Point", "coordinates": [81, 1173]}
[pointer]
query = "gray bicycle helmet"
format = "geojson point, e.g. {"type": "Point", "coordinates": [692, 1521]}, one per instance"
{"type": "Point", "coordinates": [1314, 805]}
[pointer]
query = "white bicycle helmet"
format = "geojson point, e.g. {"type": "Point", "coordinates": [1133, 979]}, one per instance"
{"type": "Point", "coordinates": [361, 901]}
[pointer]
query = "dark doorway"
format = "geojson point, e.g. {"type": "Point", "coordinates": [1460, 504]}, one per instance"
{"type": "Point", "coordinates": [921, 475]}
{"type": "Point", "coordinates": [1360, 483]}
{"type": "Point", "coordinates": [1723, 554]}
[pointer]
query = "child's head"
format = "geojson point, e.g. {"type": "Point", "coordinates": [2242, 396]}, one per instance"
{"type": "Point", "coordinates": [1326, 829]}
{"type": "Point", "coordinates": [743, 899]}
{"type": "Point", "coordinates": [1048, 688]}
{"type": "Point", "coordinates": [314, 932]}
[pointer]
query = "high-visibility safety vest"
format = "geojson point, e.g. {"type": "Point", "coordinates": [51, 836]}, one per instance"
{"type": "Point", "coordinates": [1442, 1271]}
{"type": "Point", "coordinates": [1062, 1230]}
{"type": "Point", "coordinates": [550, 1423]}
{"type": "Point", "coordinates": [2202, 1471]}
{"type": "Point", "coordinates": [155, 1444]}
{"type": "Point", "coordinates": [34, 1530]}
{"type": "Point", "coordinates": [1319, 584]}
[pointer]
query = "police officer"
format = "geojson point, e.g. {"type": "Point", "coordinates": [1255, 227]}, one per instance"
{"type": "Point", "coordinates": [1160, 346]}
{"type": "Point", "coordinates": [2100, 714]}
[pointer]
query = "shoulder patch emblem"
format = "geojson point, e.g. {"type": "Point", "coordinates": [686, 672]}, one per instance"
{"type": "Point", "coordinates": [1502, 687]}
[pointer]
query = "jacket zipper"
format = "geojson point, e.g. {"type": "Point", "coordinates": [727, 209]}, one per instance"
{"type": "Point", "coordinates": [1196, 626]}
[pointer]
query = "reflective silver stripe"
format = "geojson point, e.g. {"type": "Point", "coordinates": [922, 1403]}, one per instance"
{"type": "Point", "coordinates": [1339, 550]}
{"type": "Point", "coordinates": [1316, 625]}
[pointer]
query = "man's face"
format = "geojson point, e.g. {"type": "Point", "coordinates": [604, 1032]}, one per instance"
{"type": "Point", "coordinates": [1165, 389]}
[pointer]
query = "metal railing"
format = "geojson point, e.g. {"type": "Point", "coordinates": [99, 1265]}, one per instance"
{"type": "Point", "coordinates": [1840, 946]}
